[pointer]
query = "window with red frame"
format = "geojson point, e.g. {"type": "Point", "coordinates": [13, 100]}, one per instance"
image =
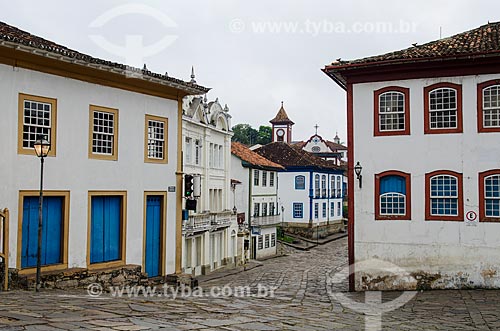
{"type": "Point", "coordinates": [489, 196]}
{"type": "Point", "coordinates": [392, 111]}
{"type": "Point", "coordinates": [488, 106]}
{"type": "Point", "coordinates": [392, 196]}
{"type": "Point", "coordinates": [443, 108]}
{"type": "Point", "coordinates": [444, 199]}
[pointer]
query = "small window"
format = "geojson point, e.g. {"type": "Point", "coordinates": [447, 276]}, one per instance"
{"type": "Point", "coordinates": [256, 177]}
{"type": "Point", "coordinates": [339, 187]}
{"type": "Point", "coordinates": [273, 239]}
{"type": "Point", "coordinates": [332, 209]}
{"type": "Point", "coordinates": [324, 210]}
{"type": "Point", "coordinates": [103, 135]}
{"type": "Point", "coordinates": [256, 209]}
{"type": "Point", "coordinates": [264, 209]}
{"type": "Point", "coordinates": [260, 243]}
{"type": "Point", "coordinates": [298, 210]}
{"type": "Point", "coordinates": [188, 150]}
{"type": "Point", "coordinates": [264, 178]}
{"type": "Point", "coordinates": [300, 182]}
{"type": "Point", "coordinates": [339, 209]}
{"type": "Point", "coordinates": [272, 209]}
{"type": "Point", "coordinates": [488, 106]}
{"type": "Point", "coordinates": [392, 111]}
{"type": "Point", "coordinates": [444, 196]}
{"type": "Point", "coordinates": [316, 186]}
{"type": "Point", "coordinates": [443, 108]}
{"type": "Point", "coordinates": [316, 210]}
{"type": "Point", "coordinates": [271, 179]}
{"type": "Point", "coordinates": [333, 189]}
{"type": "Point", "coordinates": [392, 196]}
{"type": "Point", "coordinates": [197, 153]}
{"type": "Point", "coordinates": [37, 116]}
{"type": "Point", "coordinates": [489, 199]}
{"type": "Point", "coordinates": [266, 242]}
{"type": "Point", "coordinates": [156, 139]}
{"type": "Point", "coordinates": [323, 186]}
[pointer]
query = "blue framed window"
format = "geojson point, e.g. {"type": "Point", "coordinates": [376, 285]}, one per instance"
{"type": "Point", "coordinates": [392, 195]}
{"type": "Point", "coordinates": [333, 188]}
{"type": "Point", "coordinates": [256, 175]}
{"type": "Point", "coordinates": [300, 182]}
{"type": "Point", "coordinates": [298, 210]}
{"type": "Point", "coordinates": [324, 210]}
{"type": "Point", "coordinates": [444, 195]}
{"type": "Point", "coordinates": [339, 209]}
{"type": "Point", "coordinates": [323, 186]}
{"type": "Point", "coordinates": [339, 187]}
{"type": "Point", "coordinates": [492, 196]}
{"type": "Point", "coordinates": [316, 210]}
{"type": "Point", "coordinates": [332, 209]}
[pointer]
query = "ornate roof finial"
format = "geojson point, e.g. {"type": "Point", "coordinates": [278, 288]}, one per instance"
{"type": "Point", "coordinates": [316, 127]}
{"type": "Point", "coordinates": [281, 104]}
{"type": "Point", "coordinates": [192, 76]}
{"type": "Point", "coordinates": [226, 108]}
{"type": "Point", "coordinates": [144, 67]}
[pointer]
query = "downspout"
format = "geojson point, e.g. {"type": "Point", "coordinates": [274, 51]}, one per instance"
{"type": "Point", "coordinates": [311, 191]}
{"type": "Point", "coordinates": [250, 185]}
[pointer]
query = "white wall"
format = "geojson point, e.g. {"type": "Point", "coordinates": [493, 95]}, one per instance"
{"type": "Point", "coordinates": [240, 173]}
{"type": "Point", "coordinates": [460, 254]}
{"type": "Point", "coordinates": [72, 170]}
{"type": "Point", "coordinates": [265, 252]}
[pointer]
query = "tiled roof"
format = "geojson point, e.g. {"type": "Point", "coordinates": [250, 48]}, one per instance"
{"type": "Point", "coordinates": [290, 156]}
{"type": "Point", "coordinates": [251, 157]}
{"type": "Point", "coordinates": [281, 117]}
{"type": "Point", "coordinates": [11, 35]}
{"type": "Point", "coordinates": [480, 42]}
{"type": "Point", "coordinates": [334, 146]}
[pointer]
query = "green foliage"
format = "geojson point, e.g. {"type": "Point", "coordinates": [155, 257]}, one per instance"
{"type": "Point", "coordinates": [245, 134]}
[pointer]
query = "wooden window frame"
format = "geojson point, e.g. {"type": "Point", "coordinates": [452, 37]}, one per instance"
{"type": "Point", "coordinates": [148, 159]}
{"type": "Point", "coordinates": [482, 199]}
{"type": "Point", "coordinates": [65, 231]}
{"type": "Point", "coordinates": [376, 115]}
{"type": "Point", "coordinates": [20, 124]}
{"type": "Point", "coordinates": [407, 215]}
{"type": "Point", "coordinates": [460, 199]}
{"type": "Point", "coordinates": [427, 91]}
{"type": "Point", "coordinates": [91, 154]}
{"type": "Point", "coordinates": [163, 229]}
{"type": "Point", "coordinates": [480, 119]}
{"type": "Point", "coordinates": [123, 239]}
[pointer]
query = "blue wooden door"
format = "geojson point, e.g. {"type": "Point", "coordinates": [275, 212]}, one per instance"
{"type": "Point", "coordinates": [52, 230]}
{"type": "Point", "coordinates": [105, 238]}
{"type": "Point", "coordinates": [153, 235]}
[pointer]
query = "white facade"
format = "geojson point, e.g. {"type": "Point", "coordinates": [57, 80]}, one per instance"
{"type": "Point", "coordinates": [72, 171]}
{"type": "Point", "coordinates": [453, 253]}
{"type": "Point", "coordinates": [317, 201]}
{"type": "Point", "coordinates": [209, 235]}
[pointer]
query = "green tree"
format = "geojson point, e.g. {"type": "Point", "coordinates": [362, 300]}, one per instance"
{"type": "Point", "coordinates": [245, 134]}
{"type": "Point", "coordinates": [265, 135]}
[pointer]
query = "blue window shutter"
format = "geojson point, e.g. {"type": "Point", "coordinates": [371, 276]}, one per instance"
{"type": "Point", "coordinates": [105, 229]}
{"type": "Point", "coordinates": [97, 230]}
{"type": "Point", "coordinates": [30, 232]}
{"type": "Point", "coordinates": [395, 184]}
{"type": "Point", "coordinates": [153, 235]}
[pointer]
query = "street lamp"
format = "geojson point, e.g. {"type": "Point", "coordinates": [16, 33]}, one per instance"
{"type": "Point", "coordinates": [358, 169]}
{"type": "Point", "coordinates": [42, 148]}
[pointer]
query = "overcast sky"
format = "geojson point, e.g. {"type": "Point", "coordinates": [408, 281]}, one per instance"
{"type": "Point", "coordinates": [253, 54]}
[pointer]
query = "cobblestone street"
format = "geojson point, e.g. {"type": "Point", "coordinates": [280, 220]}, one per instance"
{"type": "Point", "coordinates": [301, 302]}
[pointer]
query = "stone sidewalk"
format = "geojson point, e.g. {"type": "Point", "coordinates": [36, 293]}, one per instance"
{"type": "Point", "coordinates": [286, 293]}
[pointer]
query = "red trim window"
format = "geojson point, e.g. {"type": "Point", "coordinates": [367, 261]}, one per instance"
{"type": "Point", "coordinates": [444, 196]}
{"type": "Point", "coordinates": [443, 108]}
{"type": "Point", "coordinates": [392, 196]}
{"type": "Point", "coordinates": [392, 111]}
{"type": "Point", "coordinates": [488, 106]}
{"type": "Point", "coordinates": [489, 196]}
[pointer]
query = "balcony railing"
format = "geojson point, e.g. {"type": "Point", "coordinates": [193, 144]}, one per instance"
{"type": "Point", "coordinates": [222, 219]}
{"type": "Point", "coordinates": [266, 220]}
{"type": "Point", "coordinates": [197, 223]}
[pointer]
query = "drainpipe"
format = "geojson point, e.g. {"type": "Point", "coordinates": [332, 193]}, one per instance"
{"type": "Point", "coordinates": [250, 185]}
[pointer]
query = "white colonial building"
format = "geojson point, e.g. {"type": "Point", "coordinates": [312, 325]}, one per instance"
{"type": "Point", "coordinates": [115, 151]}
{"type": "Point", "coordinates": [210, 232]}
{"type": "Point", "coordinates": [256, 200]}
{"type": "Point", "coordinates": [310, 189]}
{"type": "Point", "coordinates": [423, 123]}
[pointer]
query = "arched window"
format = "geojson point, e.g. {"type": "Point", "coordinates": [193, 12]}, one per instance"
{"type": "Point", "coordinates": [333, 189]}
{"type": "Point", "coordinates": [300, 182]}
{"type": "Point", "coordinates": [323, 186]}
{"type": "Point", "coordinates": [444, 196]}
{"type": "Point", "coordinates": [489, 199]}
{"type": "Point", "coordinates": [488, 106]}
{"type": "Point", "coordinates": [392, 111]}
{"type": "Point", "coordinates": [443, 108]}
{"type": "Point", "coordinates": [392, 196]}
{"type": "Point", "coordinates": [316, 186]}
